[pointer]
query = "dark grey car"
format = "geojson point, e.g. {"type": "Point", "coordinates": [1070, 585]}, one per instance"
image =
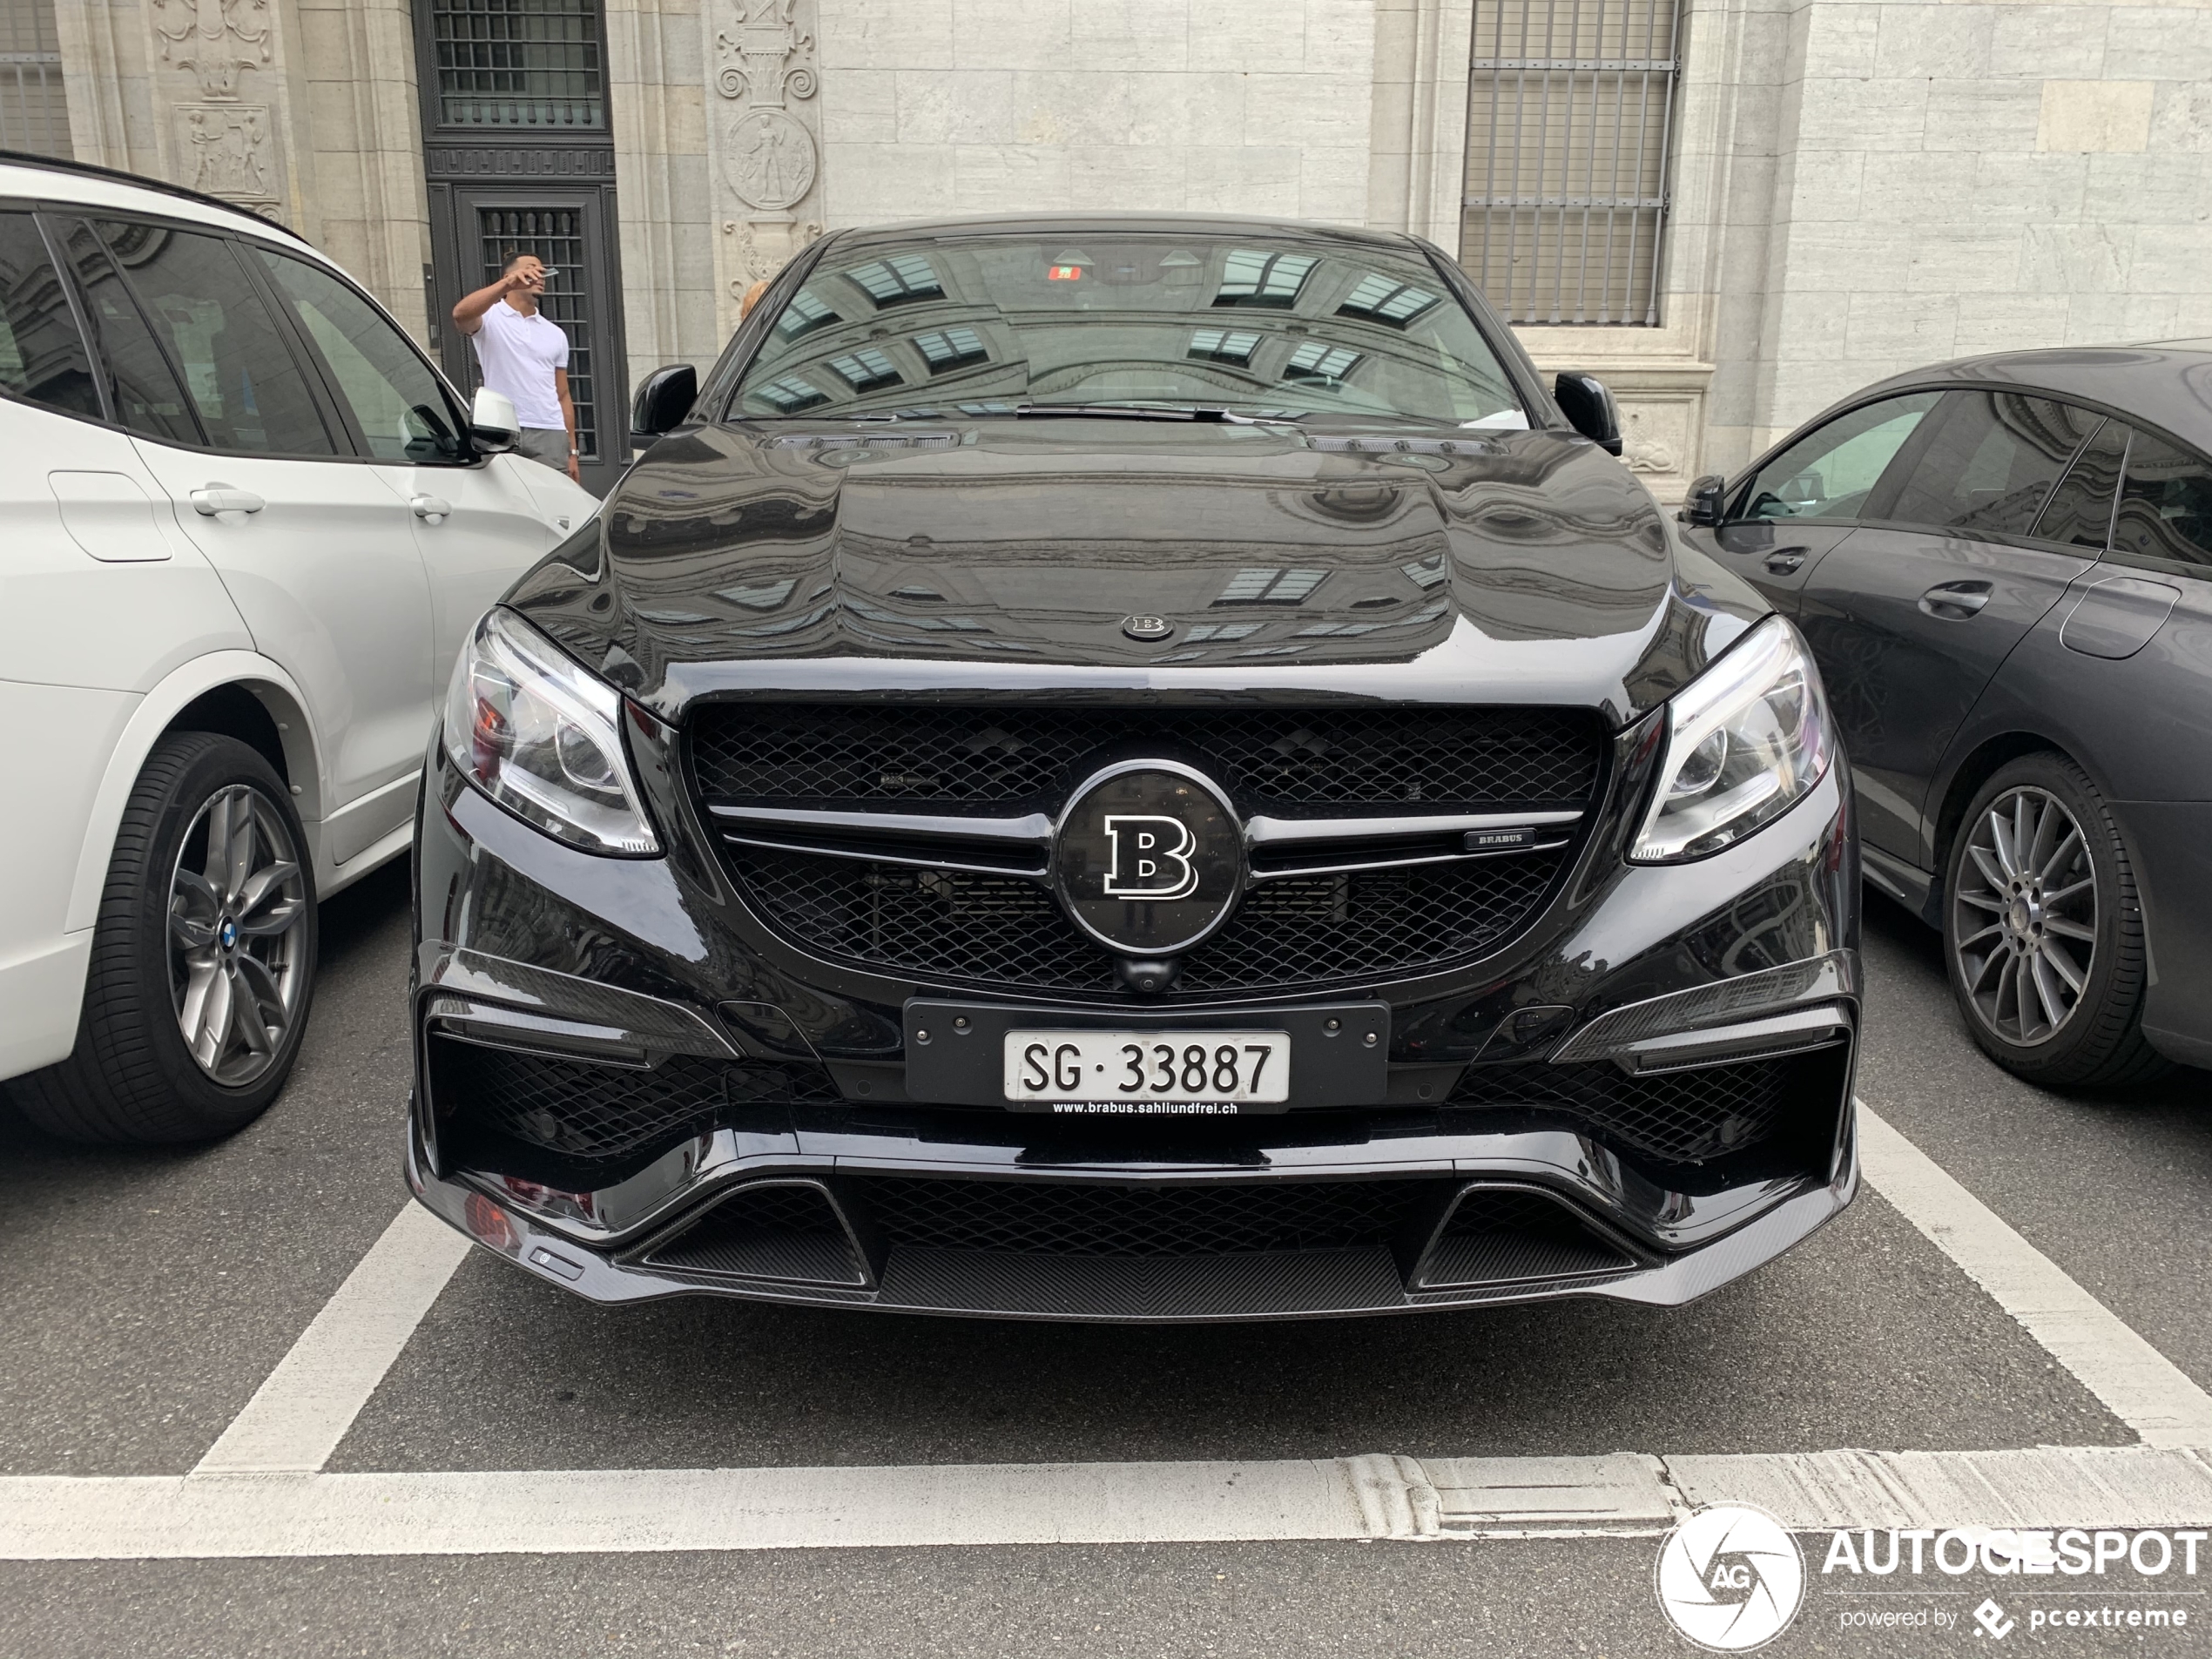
{"type": "Point", "coordinates": [2003, 566]}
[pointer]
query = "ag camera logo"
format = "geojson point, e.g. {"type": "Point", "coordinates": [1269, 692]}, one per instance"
{"type": "Point", "coordinates": [1730, 1578]}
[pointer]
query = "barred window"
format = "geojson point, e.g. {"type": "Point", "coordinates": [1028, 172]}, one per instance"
{"type": "Point", "coordinates": [34, 116]}
{"type": "Point", "coordinates": [1570, 109]}
{"type": "Point", "coordinates": [527, 64]}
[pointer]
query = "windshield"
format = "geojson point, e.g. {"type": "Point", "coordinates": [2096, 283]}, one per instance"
{"type": "Point", "coordinates": [1005, 324]}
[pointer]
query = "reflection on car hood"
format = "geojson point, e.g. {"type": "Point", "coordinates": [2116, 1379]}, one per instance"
{"type": "Point", "coordinates": [1005, 556]}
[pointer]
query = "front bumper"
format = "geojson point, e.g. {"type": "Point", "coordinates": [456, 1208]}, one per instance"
{"type": "Point", "coordinates": [1524, 1150]}
{"type": "Point", "coordinates": [1583, 1254]}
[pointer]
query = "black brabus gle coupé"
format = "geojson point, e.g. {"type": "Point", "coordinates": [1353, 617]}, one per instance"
{"type": "Point", "coordinates": [1133, 769]}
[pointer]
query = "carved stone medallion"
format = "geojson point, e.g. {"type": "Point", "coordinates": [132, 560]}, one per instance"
{"type": "Point", "coordinates": [768, 159]}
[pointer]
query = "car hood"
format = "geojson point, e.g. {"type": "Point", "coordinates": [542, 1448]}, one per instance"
{"type": "Point", "coordinates": [1008, 556]}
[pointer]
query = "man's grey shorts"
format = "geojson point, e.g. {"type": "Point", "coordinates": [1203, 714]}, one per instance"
{"type": "Point", "coordinates": [549, 447]}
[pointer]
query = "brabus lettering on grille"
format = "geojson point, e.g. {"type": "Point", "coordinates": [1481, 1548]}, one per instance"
{"type": "Point", "coordinates": [1150, 858]}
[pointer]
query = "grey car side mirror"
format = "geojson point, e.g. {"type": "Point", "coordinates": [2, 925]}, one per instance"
{"type": "Point", "coordinates": [1590, 410]}
{"type": "Point", "coordinates": [493, 427]}
{"type": "Point", "coordinates": [663, 399]}
{"type": "Point", "coordinates": [1704, 502]}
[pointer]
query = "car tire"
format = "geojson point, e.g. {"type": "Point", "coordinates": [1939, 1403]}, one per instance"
{"type": "Point", "coordinates": [2044, 939]}
{"type": "Point", "coordinates": [227, 942]}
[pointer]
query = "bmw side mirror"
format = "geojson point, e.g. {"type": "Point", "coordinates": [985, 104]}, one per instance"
{"type": "Point", "coordinates": [1703, 503]}
{"type": "Point", "coordinates": [1589, 409]}
{"type": "Point", "coordinates": [493, 427]}
{"type": "Point", "coordinates": [663, 400]}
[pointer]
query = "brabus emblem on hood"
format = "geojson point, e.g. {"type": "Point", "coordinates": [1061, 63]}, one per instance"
{"type": "Point", "coordinates": [1147, 627]}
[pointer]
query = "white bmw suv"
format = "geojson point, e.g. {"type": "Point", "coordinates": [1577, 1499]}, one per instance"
{"type": "Point", "coordinates": [244, 527]}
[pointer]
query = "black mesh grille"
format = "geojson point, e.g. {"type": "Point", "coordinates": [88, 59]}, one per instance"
{"type": "Point", "coordinates": [1317, 928]}
{"type": "Point", "coordinates": [1279, 760]}
{"type": "Point", "coordinates": [1002, 930]}
{"type": "Point", "coordinates": [1682, 1116]}
{"type": "Point", "coordinates": [581, 1110]}
{"type": "Point", "coordinates": [1052, 1218]}
{"type": "Point", "coordinates": [944, 924]}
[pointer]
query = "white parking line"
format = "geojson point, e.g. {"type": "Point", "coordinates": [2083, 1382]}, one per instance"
{"type": "Point", "coordinates": [623, 1511]}
{"type": "Point", "coordinates": [297, 1417]}
{"type": "Point", "coordinates": [2138, 1384]}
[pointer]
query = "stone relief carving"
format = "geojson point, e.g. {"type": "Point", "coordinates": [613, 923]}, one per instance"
{"type": "Point", "coordinates": [756, 258]}
{"type": "Point", "coordinates": [1656, 434]}
{"type": "Point", "coordinates": [212, 38]}
{"type": "Point", "coordinates": [767, 153]}
{"type": "Point", "coordinates": [226, 150]}
{"type": "Point", "coordinates": [769, 158]}
{"type": "Point", "coordinates": [1650, 454]}
{"type": "Point", "coordinates": [771, 54]}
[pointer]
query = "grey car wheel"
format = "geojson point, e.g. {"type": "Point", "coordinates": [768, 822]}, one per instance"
{"type": "Point", "coordinates": [2044, 930]}
{"type": "Point", "coordinates": [237, 931]}
{"type": "Point", "coordinates": [2024, 933]}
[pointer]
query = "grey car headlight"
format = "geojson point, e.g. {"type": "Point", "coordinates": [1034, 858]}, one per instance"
{"type": "Point", "coordinates": [543, 738]}
{"type": "Point", "coordinates": [1746, 740]}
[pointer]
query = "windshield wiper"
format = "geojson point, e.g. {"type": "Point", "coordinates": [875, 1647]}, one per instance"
{"type": "Point", "coordinates": [1146, 412]}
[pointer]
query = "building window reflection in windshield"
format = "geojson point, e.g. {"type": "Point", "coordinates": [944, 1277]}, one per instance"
{"type": "Point", "coordinates": [1005, 325]}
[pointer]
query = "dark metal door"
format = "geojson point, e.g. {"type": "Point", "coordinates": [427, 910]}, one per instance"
{"type": "Point", "coordinates": [1776, 556]}
{"type": "Point", "coordinates": [519, 160]}
{"type": "Point", "coordinates": [1912, 615]}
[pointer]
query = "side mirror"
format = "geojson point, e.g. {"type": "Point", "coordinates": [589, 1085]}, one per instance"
{"type": "Point", "coordinates": [1706, 500]}
{"type": "Point", "coordinates": [664, 397]}
{"type": "Point", "coordinates": [1590, 410]}
{"type": "Point", "coordinates": [493, 427]}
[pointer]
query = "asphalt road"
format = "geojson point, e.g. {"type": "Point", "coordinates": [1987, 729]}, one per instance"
{"type": "Point", "coordinates": [145, 1296]}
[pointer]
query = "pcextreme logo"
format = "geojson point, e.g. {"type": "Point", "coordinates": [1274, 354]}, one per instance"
{"type": "Point", "coordinates": [1730, 1578]}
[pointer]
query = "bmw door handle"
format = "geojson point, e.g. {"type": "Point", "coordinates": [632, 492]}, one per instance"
{"type": "Point", "coordinates": [221, 498]}
{"type": "Point", "coordinates": [1955, 601]}
{"type": "Point", "coordinates": [430, 509]}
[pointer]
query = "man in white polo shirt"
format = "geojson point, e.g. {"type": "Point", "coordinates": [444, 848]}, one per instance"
{"type": "Point", "coordinates": [524, 355]}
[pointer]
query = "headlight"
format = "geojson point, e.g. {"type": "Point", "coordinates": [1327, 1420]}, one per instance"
{"type": "Point", "coordinates": [543, 738]}
{"type": "Point", "coordinates": [1746, 740]}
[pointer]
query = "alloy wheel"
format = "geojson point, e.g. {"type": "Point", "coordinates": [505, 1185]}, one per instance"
{"type": "Point", "coordinates": [2024, 918]}
{"type": "Point", "coordinates": [236, 939]}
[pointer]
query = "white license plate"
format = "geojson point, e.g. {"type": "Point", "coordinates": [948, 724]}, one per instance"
{"type": "Point", "coordinates": [1134, 1068]}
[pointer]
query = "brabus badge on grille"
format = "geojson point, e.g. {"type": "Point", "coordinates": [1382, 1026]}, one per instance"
{"type": "Point", "coordinates": [1147, 627]}
{"type": "Point", "coordinates": [1149, 858]}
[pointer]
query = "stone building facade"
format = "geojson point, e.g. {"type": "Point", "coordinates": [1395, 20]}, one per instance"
{"type": "Point", "coordinates": [1787, 199]}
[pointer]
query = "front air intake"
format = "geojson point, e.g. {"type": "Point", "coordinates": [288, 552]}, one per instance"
{"type": "Point", "coordinates": [1505, 1235]}
{"type": "Point", "coordinates": [769, 1230]}
{"type": "Point", "coordinates": [1691, 1116]}
{"type": "Point", "coordinates": [490, 1101]}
